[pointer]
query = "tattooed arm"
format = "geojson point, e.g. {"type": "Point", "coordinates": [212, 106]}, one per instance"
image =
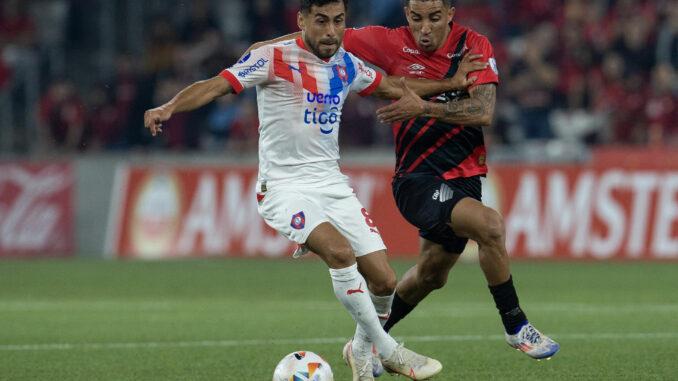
{"type": "Point", "coordinates": [478, 110]}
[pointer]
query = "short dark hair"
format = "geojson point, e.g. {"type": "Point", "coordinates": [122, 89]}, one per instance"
{"type": "Point", "coordinates": [447, 3]}
{"type": "Point", "coordinates": [306, 5]}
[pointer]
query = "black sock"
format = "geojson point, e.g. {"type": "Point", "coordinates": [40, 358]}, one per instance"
{"type": "Point", "coordinates": [399, 309]}
{"type": "Point", "coordinates": [506, 299]}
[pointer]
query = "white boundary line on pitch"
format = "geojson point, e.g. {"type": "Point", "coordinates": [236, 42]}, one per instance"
{"type": "Point", "coordinates": [327, 340]}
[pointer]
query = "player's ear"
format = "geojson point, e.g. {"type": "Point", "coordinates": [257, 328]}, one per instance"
{"type": "Point", "coordinates": [301, 22]}
{"type": "Point", "coordinates": [451, 14]}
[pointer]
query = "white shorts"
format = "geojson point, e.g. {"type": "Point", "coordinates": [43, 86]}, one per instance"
{"type": "Point", "coordinates": [295, 211]}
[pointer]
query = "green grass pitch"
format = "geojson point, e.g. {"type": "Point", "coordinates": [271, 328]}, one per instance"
{"type": "Point", "coordinates": [235, 319]}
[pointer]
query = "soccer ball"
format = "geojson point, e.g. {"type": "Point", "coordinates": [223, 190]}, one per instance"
{"type": "Point", "coordinates": [303, 366]}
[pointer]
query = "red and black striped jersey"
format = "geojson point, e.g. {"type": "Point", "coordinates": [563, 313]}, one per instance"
{"type": "Point", "coordinates": [426, 145]}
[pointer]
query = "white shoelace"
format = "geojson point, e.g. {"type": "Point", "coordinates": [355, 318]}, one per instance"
{"type": "Point", "coordinates": [413, 358]}
{"type": "Point", "coordinates": [365, 369]}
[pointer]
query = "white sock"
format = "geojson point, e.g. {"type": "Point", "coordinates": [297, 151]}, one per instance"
{"type": "Point", "coordinates": [351, 290]}
{"type": "Point", "coordinates": [382, 304]}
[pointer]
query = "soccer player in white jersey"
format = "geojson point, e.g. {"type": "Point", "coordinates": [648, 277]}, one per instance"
{"type": "Point", "coordinates": [301, 87]}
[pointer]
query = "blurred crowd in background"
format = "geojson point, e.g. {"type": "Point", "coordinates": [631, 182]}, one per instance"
{"type": "Point", "coordinates": [77, 75]}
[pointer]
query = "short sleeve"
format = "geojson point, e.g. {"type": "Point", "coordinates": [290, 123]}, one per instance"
{"type": "Point", "coordinates": [250, 71]}
{"type": "Point", "coordinates": [481, 45]}
{"type": "Point", "coordinates": [371, 43]}
{"type": "Point", "coordinates": [366, 78]}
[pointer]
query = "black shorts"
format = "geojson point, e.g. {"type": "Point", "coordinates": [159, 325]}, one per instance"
{"type": "Point", "coordinates": [426, 202]}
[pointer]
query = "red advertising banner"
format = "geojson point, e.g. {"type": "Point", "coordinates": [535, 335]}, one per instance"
{"type": "Point", "coordinates": [624, 205]}
{"type": "Point", "coordinates": [36, 209]}
{"type": "Point", "coordinates": [212, 211]}
{"type": "Point", "coordinates": [597, 211]}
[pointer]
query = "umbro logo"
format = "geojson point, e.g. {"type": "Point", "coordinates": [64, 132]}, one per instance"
{"type": "Point", "coordinates": [443, 194]}
{"type": "Point", "coordinates": [416, 68]}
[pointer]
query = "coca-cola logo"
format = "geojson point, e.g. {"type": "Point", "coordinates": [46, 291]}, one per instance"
{"type": "Point", "coordinates": [35, 214]}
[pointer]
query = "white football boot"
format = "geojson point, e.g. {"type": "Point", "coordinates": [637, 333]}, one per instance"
{"type": "Point", "coordinates": [361, 368]}
{"type": "Point", "coordinates": [377, 368]}
{"type": "Point", "coordinates": [533, 343]}
{"type": "Point", "coordinates": [411, 364]}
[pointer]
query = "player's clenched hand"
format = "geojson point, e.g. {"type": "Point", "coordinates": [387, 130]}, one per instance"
{"type": "Point", "coordinates": [409, 106]}
{"type": "Point", "coordinates": [467, 65]}
{"type": "Point", "coordinates": [154, 118]}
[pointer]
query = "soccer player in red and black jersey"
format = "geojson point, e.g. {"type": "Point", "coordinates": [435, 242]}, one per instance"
{"type": "Point", "coordinates": [440, 158]}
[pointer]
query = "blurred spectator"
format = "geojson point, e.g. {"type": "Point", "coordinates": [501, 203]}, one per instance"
{"type": "Point", "coordinates": [61, 116]}
{"type": "Point", "coordinates": [161, 47]}
{"type": "Point", "coordinates": [220, 121]}
{"type": "Point", "coordinates": [634, 46]}
{"type": "Point", "coordinates": [667, 40]}
{"type": "Point", "coordinates": [244, 133]}
{"type": "Point", "coordinates": [533, 81]}
{"type": "Point", "coordinates": [200, 22]}
{"type": "Point", "coordinates": [132, 94]}
{"type": "Point", "coordinates": [5, 72]}
{"type": "Point", "coordinates": [102, 126]}
{"type": "Point", "coordinates": [16, 24]}
{"type": "Point", "coordinates": [661, 109]}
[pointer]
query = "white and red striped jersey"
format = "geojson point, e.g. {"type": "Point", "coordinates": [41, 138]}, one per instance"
{"type": "Point", "coordinates": [300, 97]}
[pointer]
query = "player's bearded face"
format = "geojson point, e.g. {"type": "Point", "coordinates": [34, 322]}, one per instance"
{"type": "Point", "coordinates": [429, 22]}
{"type": "Point", "coordinates": [323, 28]}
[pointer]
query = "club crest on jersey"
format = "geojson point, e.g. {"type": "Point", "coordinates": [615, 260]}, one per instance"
{"type": "Point", "coordinates": [298, 221]}
{"type": "Point", "coordinates": [341, 72]}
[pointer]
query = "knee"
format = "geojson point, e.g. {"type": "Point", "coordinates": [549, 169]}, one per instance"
{"type": "Point", "coordinates": [341, 256]}
{"type": "Point", "coordinates": [385, 286]}
{"type": "Point", "coordinates": [493, 229]}
{"type": "Point", "coordinates": [432, 279]}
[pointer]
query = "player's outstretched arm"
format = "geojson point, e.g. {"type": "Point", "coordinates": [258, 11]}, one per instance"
{"type": "Point", "coordinates": [190, 98]}
{"type": "Point", "coordinates": [392, 89]}
{"type": "Point", "coordinates": [478, 110]}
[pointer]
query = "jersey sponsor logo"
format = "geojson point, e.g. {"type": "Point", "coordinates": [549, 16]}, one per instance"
{"type": "Point", "coordinates": [258, 65]}
{"type": "Point", "coordinates": [457, 55]}
{"type": "Point", "coordinates": [368, 73]}
{"type": "Point", "coordinates": [416, 68]}
{"type": "Point", "coordinates": [298, 221]}
{"type": "Point", "coordinates": [443, 194]}
{"type": "Point", "coordinates": [493, 65]}
{"type": "Point", "coordinates": [244, 59]}
{"type": "Point", "coordinates": [323, 98]}
{"type": "Point", "coordinates": [323, 118]}
{"type": "Point", "coordinates": [326, 119]}
{"type": "Point", "coordinates": [410, 50]}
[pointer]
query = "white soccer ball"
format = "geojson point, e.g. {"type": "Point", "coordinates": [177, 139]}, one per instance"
{"type": "Point", "coordinates": [303, 366]}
